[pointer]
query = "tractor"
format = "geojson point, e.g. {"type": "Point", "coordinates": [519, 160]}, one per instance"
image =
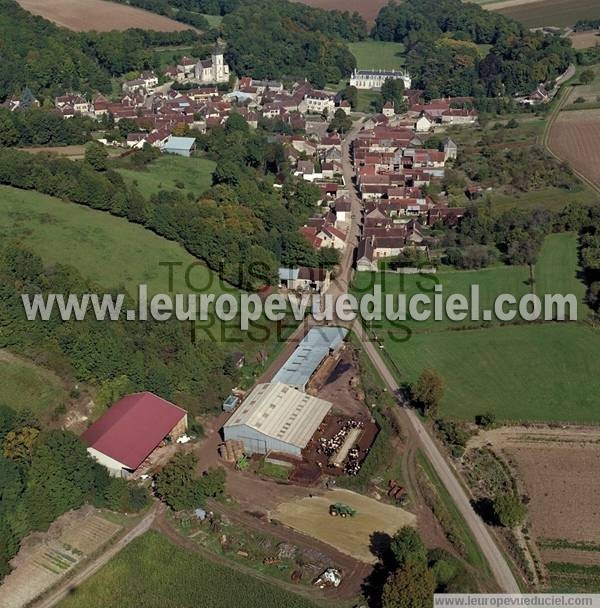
{"type": "Point", "coordinates": [342, 510]}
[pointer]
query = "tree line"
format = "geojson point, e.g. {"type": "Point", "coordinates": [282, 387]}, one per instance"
{"type": "Point", "coordinates": [514, 236]}
{"type": "Point", "coordinates": [242, 228]}
{"type": "Point", "coordinates": [43, 127]}
{"type": "Point", "coordinates": [444, 39]}
{"type": "Point", "coordinates": [45, 473]}
{"type": "Point", "coordinates": [168, 9]}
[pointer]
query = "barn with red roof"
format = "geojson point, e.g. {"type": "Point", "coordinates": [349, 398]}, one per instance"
{"type": "Point", "coordinates": [129, 431]}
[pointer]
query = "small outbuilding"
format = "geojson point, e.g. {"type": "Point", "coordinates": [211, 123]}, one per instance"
{"type": "Point", "coordinates": [182, 146]}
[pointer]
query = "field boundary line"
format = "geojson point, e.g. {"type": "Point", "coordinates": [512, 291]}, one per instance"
{"type": "Point", "coordinates": [546, 139]}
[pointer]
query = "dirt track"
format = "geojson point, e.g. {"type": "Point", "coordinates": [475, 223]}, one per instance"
{"type": "Point", "coordinates": [99, 15]}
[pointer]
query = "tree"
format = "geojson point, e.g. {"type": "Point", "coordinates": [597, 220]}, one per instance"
{"type": "Point", "coordinates": [411, 586]}
{"type": "Point", "coordinates": [486, 420]}
{"type": "Point", "coordinates": [340, 122]}
{"type": "Point", "coordinates": [18, 445]}
{"type": "Point", "coordinates": [175, 483]}
{"type": "Point", "coordinates": [350, 94]}
{"type": "Point", "coordinates": [428, 391]}
{"type": "Point", "coordinates": [392, 90]}
{"type": "Point", "coordinates": [407, 545]}
{"type": "Point", "coordinates": [509, 510]}
{"type": "Point", "coordinates": [236, 123]}
{"type": "Point", "coordinates": [96, 156]}
{"type": "Point", "coordinates": [586, 77]}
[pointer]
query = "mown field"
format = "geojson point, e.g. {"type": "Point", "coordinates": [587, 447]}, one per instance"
{"type": "Point", "coordinates": [24, 385]}
{"type": "Point", "coordinates": [372, 54]}
{"type": "Point", "coordinates": [558, 13]}
{"type": "Point", "coordinates": [100, 16]}
{"type": "Point", "coordinates": [153, 572]}
{"type": "Point", "coordinates": [170, 172]}
{"type": "Point", "coordinates": [107, 250]}
{"type": "Point", "coordinates": [527, 371]}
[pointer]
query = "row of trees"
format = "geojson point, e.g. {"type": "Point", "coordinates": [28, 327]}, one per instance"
{"type": "Point", "coordinates": [443, 39]}
{"type": "Point", "coordinates": [43, 474]}
{"type": "Point", "coordinates": [166, 8]}
{"type": "Point", "coordinates": [243, 226]}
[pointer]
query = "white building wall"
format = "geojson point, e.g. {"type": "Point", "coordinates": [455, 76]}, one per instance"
{"type": "Point", "coordinates": [115, 468]}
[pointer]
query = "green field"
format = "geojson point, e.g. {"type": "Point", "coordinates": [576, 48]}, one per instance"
{"type": "Point", "coordinates": [107, 250]}
{"type": "Point", "coordinates": [152, 572]}
{"type": "Point", "coordinates": [170, 172]}
{"type": "Point", "coordinates": [543, 372]}
{"type": "Point", "coordinates": [371, 54]}
{"type": "Point", "coordinates": [213, 20]}
{"type": "Point", "coordinates": [24, 385]}
{"type": "Point", "coordinates": [528, 371]}
{"type": "Point", "coordinates": [366, 99]}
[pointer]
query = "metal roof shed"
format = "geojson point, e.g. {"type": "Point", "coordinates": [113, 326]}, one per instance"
{"type": "Point", "coordinates": [312, 350]}
{"type": "Point", "coordinates": [183, 146]}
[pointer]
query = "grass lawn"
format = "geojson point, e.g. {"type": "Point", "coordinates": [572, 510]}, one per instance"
{"type": "Point", "coordinates": [107, 250]}
{"type": "Point", "coordinates": [213, 20]}
{"type": "Point", "coordinates": [375, 54]}
{"type": "Point", "coordinates": [548, 198]}
{"type": "Point", "coordinates": [27, 386]}
{"type": "Point", "coordinates": [277, 471]}
{"type": "Point", "coordinates": [169, 171]}
{"type": "Point", "coordinates": [153, 572]}
{"type": "Point", "coordinates": [365, 100]}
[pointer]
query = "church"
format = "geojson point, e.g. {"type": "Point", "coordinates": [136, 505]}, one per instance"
{"type": "Point", "coordinates": [204, 71]}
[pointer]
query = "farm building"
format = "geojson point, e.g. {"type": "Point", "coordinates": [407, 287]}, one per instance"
{"type": "Point", "coordinates": [276, 417]}
{"type": "Point", "coordinates": [182, 146]}
{"type": "Point", "coordinates": [131, 430]}
{"type": "Point", "coordinates": [318, 343]}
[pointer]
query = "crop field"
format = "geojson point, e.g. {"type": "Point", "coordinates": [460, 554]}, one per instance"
{"type": "Point", "coordinates": [100, 16]}
{"type": "Point", "coordinates": [558, 13]}
{"type": "Point", "coordinates": [170, 172]}
{"type": "Point", "coordinates": [153, 572]}
{"type": "Point", "coordinates": [26, 385]}
{"type": "Point", "coordinates": [378, 54]}
{"type": "Point", "coordinates": [575, 138]}
{"type": "Point", "coordinates": [349, 535]}
{"type": "Point", "coordinates": [78, 534]}
{"type": "Point", "coordinates": [584, 40]}
{"type": "Point", "coordinates": [368, 10]}
{"type": "Point", "coordinates": [107, 250]}
{"type": "Point", "coordinates": [551, 466]}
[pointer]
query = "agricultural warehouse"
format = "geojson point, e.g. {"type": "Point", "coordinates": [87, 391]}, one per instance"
{"type": "Point", "coordinates": [131, 430]}
{"type": "Point", "coordinates": [276, 417]}
{"type": "Point", "coordinates": [318, 343]}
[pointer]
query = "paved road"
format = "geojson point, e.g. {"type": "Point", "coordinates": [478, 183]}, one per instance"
{"type": "Point", "coordinates": [498, 565]}
{"type": "Point", "coordinates": [63, 589]}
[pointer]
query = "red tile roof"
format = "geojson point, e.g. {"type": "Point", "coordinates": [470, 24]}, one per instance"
{"type": "Point", "coordinates": [133, 427]}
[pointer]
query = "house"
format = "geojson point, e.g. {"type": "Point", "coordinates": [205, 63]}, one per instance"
{"type": "Point", "coordinates": [343, 211]}
{"type": "Point", "coordinates": [182, 146]}
{"type": "Point", "coordinates": [345, 106]}
{"type": "Point", "coordinates": [374, 79]}
{"type": "Point", "coordinates": [317, 102]}
{"type": "Point", "coordinates": [388, 109]}
{"type": "Point", "coordinates": [423, 123]}
{"type": "Point", "coordinates": [145, 83]}
{"type": "Point", "coordinates": [131, 429]}
{"type": "Point", "coordinates": [305, 279]}
{"type": "Point", "coordinates": [449, 148]}
{"type": "Point", "coordinates": [365, 257]}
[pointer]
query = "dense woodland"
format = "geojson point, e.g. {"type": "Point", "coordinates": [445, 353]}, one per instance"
{"type": "Point", "coordinates": [444, 39]}
{"type": "Point", "coordinates": [43, 474]}
{"type": "Point", "coordinates": [50, 60]}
